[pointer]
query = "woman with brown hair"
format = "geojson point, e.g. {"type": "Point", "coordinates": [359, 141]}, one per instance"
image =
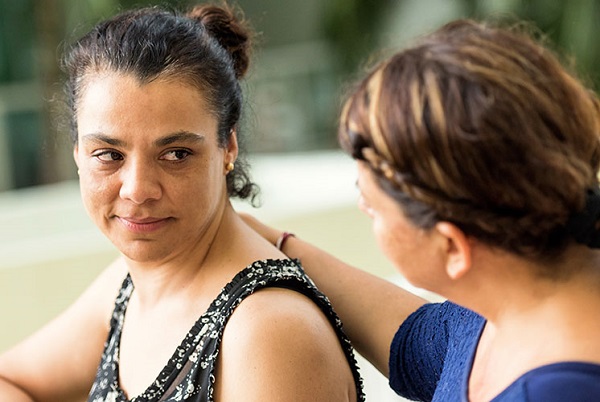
{"type": "Point", "coordinates": [477, 157]}
{"type": "Point", "coordinates": [199, 307]}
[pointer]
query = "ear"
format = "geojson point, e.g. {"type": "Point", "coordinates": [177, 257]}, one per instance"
{"type": "Point", "coordinates": [76, 155]}
{"type": "Point", "coordinates": [458, 249]}
{"type": "Point", "coordinates": [231, 152]}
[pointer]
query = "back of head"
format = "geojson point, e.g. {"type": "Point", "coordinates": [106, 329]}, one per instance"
{"type": "Point", "coordinates": [483, 127]}
{"type": "Point", "coordinates": [207, 48]}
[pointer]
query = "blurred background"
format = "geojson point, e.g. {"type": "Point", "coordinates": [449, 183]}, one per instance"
{"type": "Point", "coordinates": [307, 52]}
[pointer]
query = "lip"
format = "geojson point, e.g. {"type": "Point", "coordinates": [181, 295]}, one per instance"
{"type": "Point", "coordinates": [143, 225]}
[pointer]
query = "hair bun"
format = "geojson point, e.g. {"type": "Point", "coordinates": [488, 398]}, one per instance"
{"type": "Point", "coordinates": [231, 31]}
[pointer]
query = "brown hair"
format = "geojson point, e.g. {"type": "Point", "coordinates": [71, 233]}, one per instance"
{"type": "Point", "coordinates": [208, 47]}
{"type": "Point", "coordinates": [482, 127]}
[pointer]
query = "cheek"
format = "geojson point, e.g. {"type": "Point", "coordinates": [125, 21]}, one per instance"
{"type": "Point", "coordinates": [399, 243]}
{"type": "Point", "coordinates": [365, 208]}
{"type": "Point", "coordinates": [96, 193]}
{"type": "Point", "coordinates": [386, 237]}
{"type": "Point", "coordinates": [198, 193]}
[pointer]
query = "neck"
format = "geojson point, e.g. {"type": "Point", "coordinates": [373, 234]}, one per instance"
{"type": "Point", "coordinates": [533, 320]}
{"type": "Point", "coordinates": [180, 275]}
{"type": "Point", "coordinates": [501, 285]}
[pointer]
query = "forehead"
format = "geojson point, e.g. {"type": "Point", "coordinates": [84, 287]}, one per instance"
{"type": "Point", "coordinates": [113, 102]}
{"type": "Point", "coordinates": [366, 180]}
{"type": "Point", "coordinates": [369, 186]}
{"type": "Point", "coordinates": [111, 87]}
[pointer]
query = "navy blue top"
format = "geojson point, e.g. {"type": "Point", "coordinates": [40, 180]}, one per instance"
{"type": "Point", "coordinates": [432, 354]}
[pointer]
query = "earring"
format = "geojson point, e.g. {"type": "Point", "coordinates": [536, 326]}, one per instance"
{"type": "Point", "coordinates": [229, 167]}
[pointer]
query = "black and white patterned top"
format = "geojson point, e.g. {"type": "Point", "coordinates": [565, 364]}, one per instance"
{"type": "Point", "coordinates": [189, 373]}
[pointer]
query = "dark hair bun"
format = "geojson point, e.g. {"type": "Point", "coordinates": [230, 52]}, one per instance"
{"type": "Point", "coordinates": [228, 27]}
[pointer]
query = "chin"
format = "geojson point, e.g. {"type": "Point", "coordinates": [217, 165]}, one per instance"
{"type": "Point", "coordinates": [142, 251]}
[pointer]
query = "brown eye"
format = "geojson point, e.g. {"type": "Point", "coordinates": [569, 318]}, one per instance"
{"type": "Point", "coordinates": [108, 156]}
{"type": "Point", "coordinates": [176, 155]}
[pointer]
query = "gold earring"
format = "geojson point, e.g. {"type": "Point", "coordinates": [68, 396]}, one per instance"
{"type": "Point", "coordinates": [230, 166]}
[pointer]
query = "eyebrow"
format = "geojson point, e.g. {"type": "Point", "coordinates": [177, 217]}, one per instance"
{"type": "Point", "coordinates": [180, 136]}
{"type": "Point", "coordinates": [99, 137]}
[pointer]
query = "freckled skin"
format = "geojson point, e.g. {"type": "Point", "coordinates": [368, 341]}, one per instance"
{"type": "Point", "coordinates": [152, 178]}
{"type": "Point", "coordinates": [408, 247]}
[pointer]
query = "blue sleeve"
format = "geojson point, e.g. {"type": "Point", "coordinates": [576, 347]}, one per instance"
{"type": "Point", "coordinates": [417, 353]}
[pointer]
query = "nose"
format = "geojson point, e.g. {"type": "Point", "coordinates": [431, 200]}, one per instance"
{"type": "Point", "coordinates": [139, 182]}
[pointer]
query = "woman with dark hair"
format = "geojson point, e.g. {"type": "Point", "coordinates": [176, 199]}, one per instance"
{"type": "Point", "coordinates": [477, 157]}
{"type": "Point", "coordinates": [205, 308]}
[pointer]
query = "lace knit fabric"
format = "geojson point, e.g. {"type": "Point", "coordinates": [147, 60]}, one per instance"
{"type": "Point", "coordinates": [189, 374]}
{"type": "Point", "coordinates": [432, 354]}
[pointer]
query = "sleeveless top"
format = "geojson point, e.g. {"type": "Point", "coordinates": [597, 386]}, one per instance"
{"type": "Point", "coordinates": [189, 373]}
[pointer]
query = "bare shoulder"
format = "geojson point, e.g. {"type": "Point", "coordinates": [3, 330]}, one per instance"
{"type": "Point", "coordinates": [103, 291]}
{"type": "Point", "coordinates": [279, 345]}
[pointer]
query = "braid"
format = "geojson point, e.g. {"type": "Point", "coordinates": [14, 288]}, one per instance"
{"type": "Point", "coordinates": [481, 138]}
{"type": "Point", "coordinates": [475, 220]}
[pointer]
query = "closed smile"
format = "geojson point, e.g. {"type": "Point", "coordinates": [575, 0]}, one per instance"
{"type": "Point", "coordinates": [143, 225]}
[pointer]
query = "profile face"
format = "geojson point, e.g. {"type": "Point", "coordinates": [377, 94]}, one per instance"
{"type": "Point", "coordinates": [412, 250]}
{"type": "Point", "coordinates": [152, 175]}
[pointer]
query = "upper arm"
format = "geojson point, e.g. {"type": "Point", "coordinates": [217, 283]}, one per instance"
{"type": "Point", "coordinates": [418, 352]}
{"type": "Point", "coordinates": [59, 361]}
{"type": "Point", "coordinates": [278, 345]}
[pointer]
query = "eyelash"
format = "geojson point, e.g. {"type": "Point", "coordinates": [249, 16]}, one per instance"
{"type": "Point", "coordinates": [117, 156]}
{"type": "Point", "coordinates": [114, 155]}
{"type": "Point", "coordinates": [175, 152]}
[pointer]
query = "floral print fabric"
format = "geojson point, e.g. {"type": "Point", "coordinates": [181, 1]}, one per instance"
{"type": "Point", "coordinates": [189, 374]}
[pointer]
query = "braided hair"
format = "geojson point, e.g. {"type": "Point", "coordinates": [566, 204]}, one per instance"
{"type": "Point", "coordinates": [483, 127]}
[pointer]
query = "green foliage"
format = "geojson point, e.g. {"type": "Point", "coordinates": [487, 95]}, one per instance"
{"type": "Point", "coordinates": [570, 26]}
{"type": "Point", "coordinates": [16, 41]}
{"type": "Point", "coordinates": [33, 32]}
{"type": "Point", "coordinates": [352, 26]}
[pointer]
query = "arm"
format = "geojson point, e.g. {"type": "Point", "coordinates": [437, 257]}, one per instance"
{"type": "Point", "coordinates": [278, 346]}
{"type": "Point", "coordinates": [11, 393]}
{"type": "Point", "coordinates": [370, 307]}
{"type": "Point", "coordinates": [58, 363]}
